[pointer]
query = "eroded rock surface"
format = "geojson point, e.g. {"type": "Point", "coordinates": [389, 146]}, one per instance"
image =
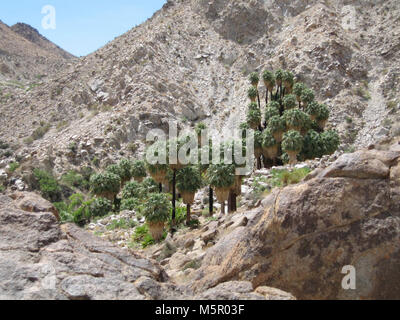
{"type": "Point", "coordinates": [348, 214]}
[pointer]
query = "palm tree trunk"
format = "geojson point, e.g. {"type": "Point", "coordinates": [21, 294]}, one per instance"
{"type": "Point", "coordinates": [173, 201]}
{"type": "Point", "coordinates": [223, 207]}
{"type": "Point", "coordinates": [160, 187]}
{"type": "Point", "coordinates": [211, 201]}
{"type": "Point", "coordinates": [187, 214]}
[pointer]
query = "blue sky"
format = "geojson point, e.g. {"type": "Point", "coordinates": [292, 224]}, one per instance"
{"type": "Point", "coordinates": [82, 26]}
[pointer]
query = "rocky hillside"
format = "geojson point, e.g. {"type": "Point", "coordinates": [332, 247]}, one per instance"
{"type": "Point", "coordinates": [26, 56]}
{"type": "Point", "coordinates": [32, 35]}
{"type": "Point", "coordinates": [190, 62]}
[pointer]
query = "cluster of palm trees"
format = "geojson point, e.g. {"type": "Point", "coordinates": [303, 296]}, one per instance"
{"type": "Point", "coordinates": [291, 125]}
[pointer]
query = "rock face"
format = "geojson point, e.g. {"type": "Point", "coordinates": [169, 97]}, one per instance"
{"type": "Point", "coordinates": [41, 260]}
{"type": "Point", "coordinates": [348, 214]}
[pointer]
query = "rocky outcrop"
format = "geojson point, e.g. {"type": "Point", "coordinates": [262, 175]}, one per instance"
{"type": "Point", "coordinates": [347, 214]}
{"type": "Point", "coordinates": [39, 259]}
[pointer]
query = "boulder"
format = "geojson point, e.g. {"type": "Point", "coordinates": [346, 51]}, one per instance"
{"type": "Point", "coordinates": [39, 259]}
{"type": "Point", "coordinates": [307, 233]}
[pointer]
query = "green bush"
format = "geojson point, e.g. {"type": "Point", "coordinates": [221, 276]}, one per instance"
{"type": "Point", "coordinates": [74, 179]}
{"type": "Point", "coordinates": [100, 207]}
{"type": "Point", "coordinates": [48, 185]}
{"type": "Point", "coordinates": [13, 166]}
{"type": "Point", "coordinates": [130, 204]}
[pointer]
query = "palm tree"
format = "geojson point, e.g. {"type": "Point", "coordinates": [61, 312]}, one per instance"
{"type": "Point", "coordinates": [221, 177]}
{"type": "Point", "coordinates": [269, 145]}
{"type": "Point", "coordinates": [292, 144]}
{"type": "Point", "coordinates": [323, 116]}
{"type": "Point", "coordinates": [298, 90]}
{"type": "Point", "coordinates": [307, 96]}
{"type": "Point", "coordinates": [288, 81]}
{"type": "Point", "coordinates": [277, 125]}
{"type": "Point", "coordinates": [254, 118]}
{"type": "Point", "coordinates": [200, 127]}
{"type": "Point", "coordinates": [106, 185]}
{"type": "Point", "coordinates": [289, 101]}
{"type": "Point", "coordinates": [252, 93]}
{"type": "Point", "coordinates": [138, 170]}
{"type": "Point", "coordinates": [188, 183]}
{"type": "Point", "coordinates": [156, 211]}
{"type": "Point", "coordinates": [279, 80]}
{"type": "Point", "coordinates": [295, 119]}
{"type": "Point", "coordinates": [269, 82]}
{"type": "Point", "coordinates": [254, 79]}
{"type": "Point", "coordinates": [269, 113]}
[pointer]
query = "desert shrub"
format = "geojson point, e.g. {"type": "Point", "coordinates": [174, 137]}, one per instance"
{"type": "Point", "coordinates": [40, 131]}
{"type": "Point", "coordinates": [100, 207]}
{"type": "Point", "coordinates": [48, 185]}
{"type": "Point", "coordinates": [130, 204]}
{"type": "Point", "coordinates": [13, 166]}
{"type": "Point", "coordinates": [74, 180]}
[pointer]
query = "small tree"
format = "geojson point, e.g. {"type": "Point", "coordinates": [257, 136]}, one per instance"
{"type": "Point", "coordinates": [100, 207]}
{"type": "Point", "coordinates": [156, 212]}
{"type": "Point", "coordinates": [106, 185]}
{"type": "Point", "coordinates": [188, 183]}
{"type": "Point", "coordinates": [222, 178]}
{"type": "Point", "coordinates": [292, 144]}
{"type": "Point", "coordinates": [138, 170]}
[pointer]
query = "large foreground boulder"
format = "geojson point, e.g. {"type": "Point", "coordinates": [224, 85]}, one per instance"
{"type": "Point", "coordinates": [345, 215]}
{"type": "Point", "coordinates": [39, 259]}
